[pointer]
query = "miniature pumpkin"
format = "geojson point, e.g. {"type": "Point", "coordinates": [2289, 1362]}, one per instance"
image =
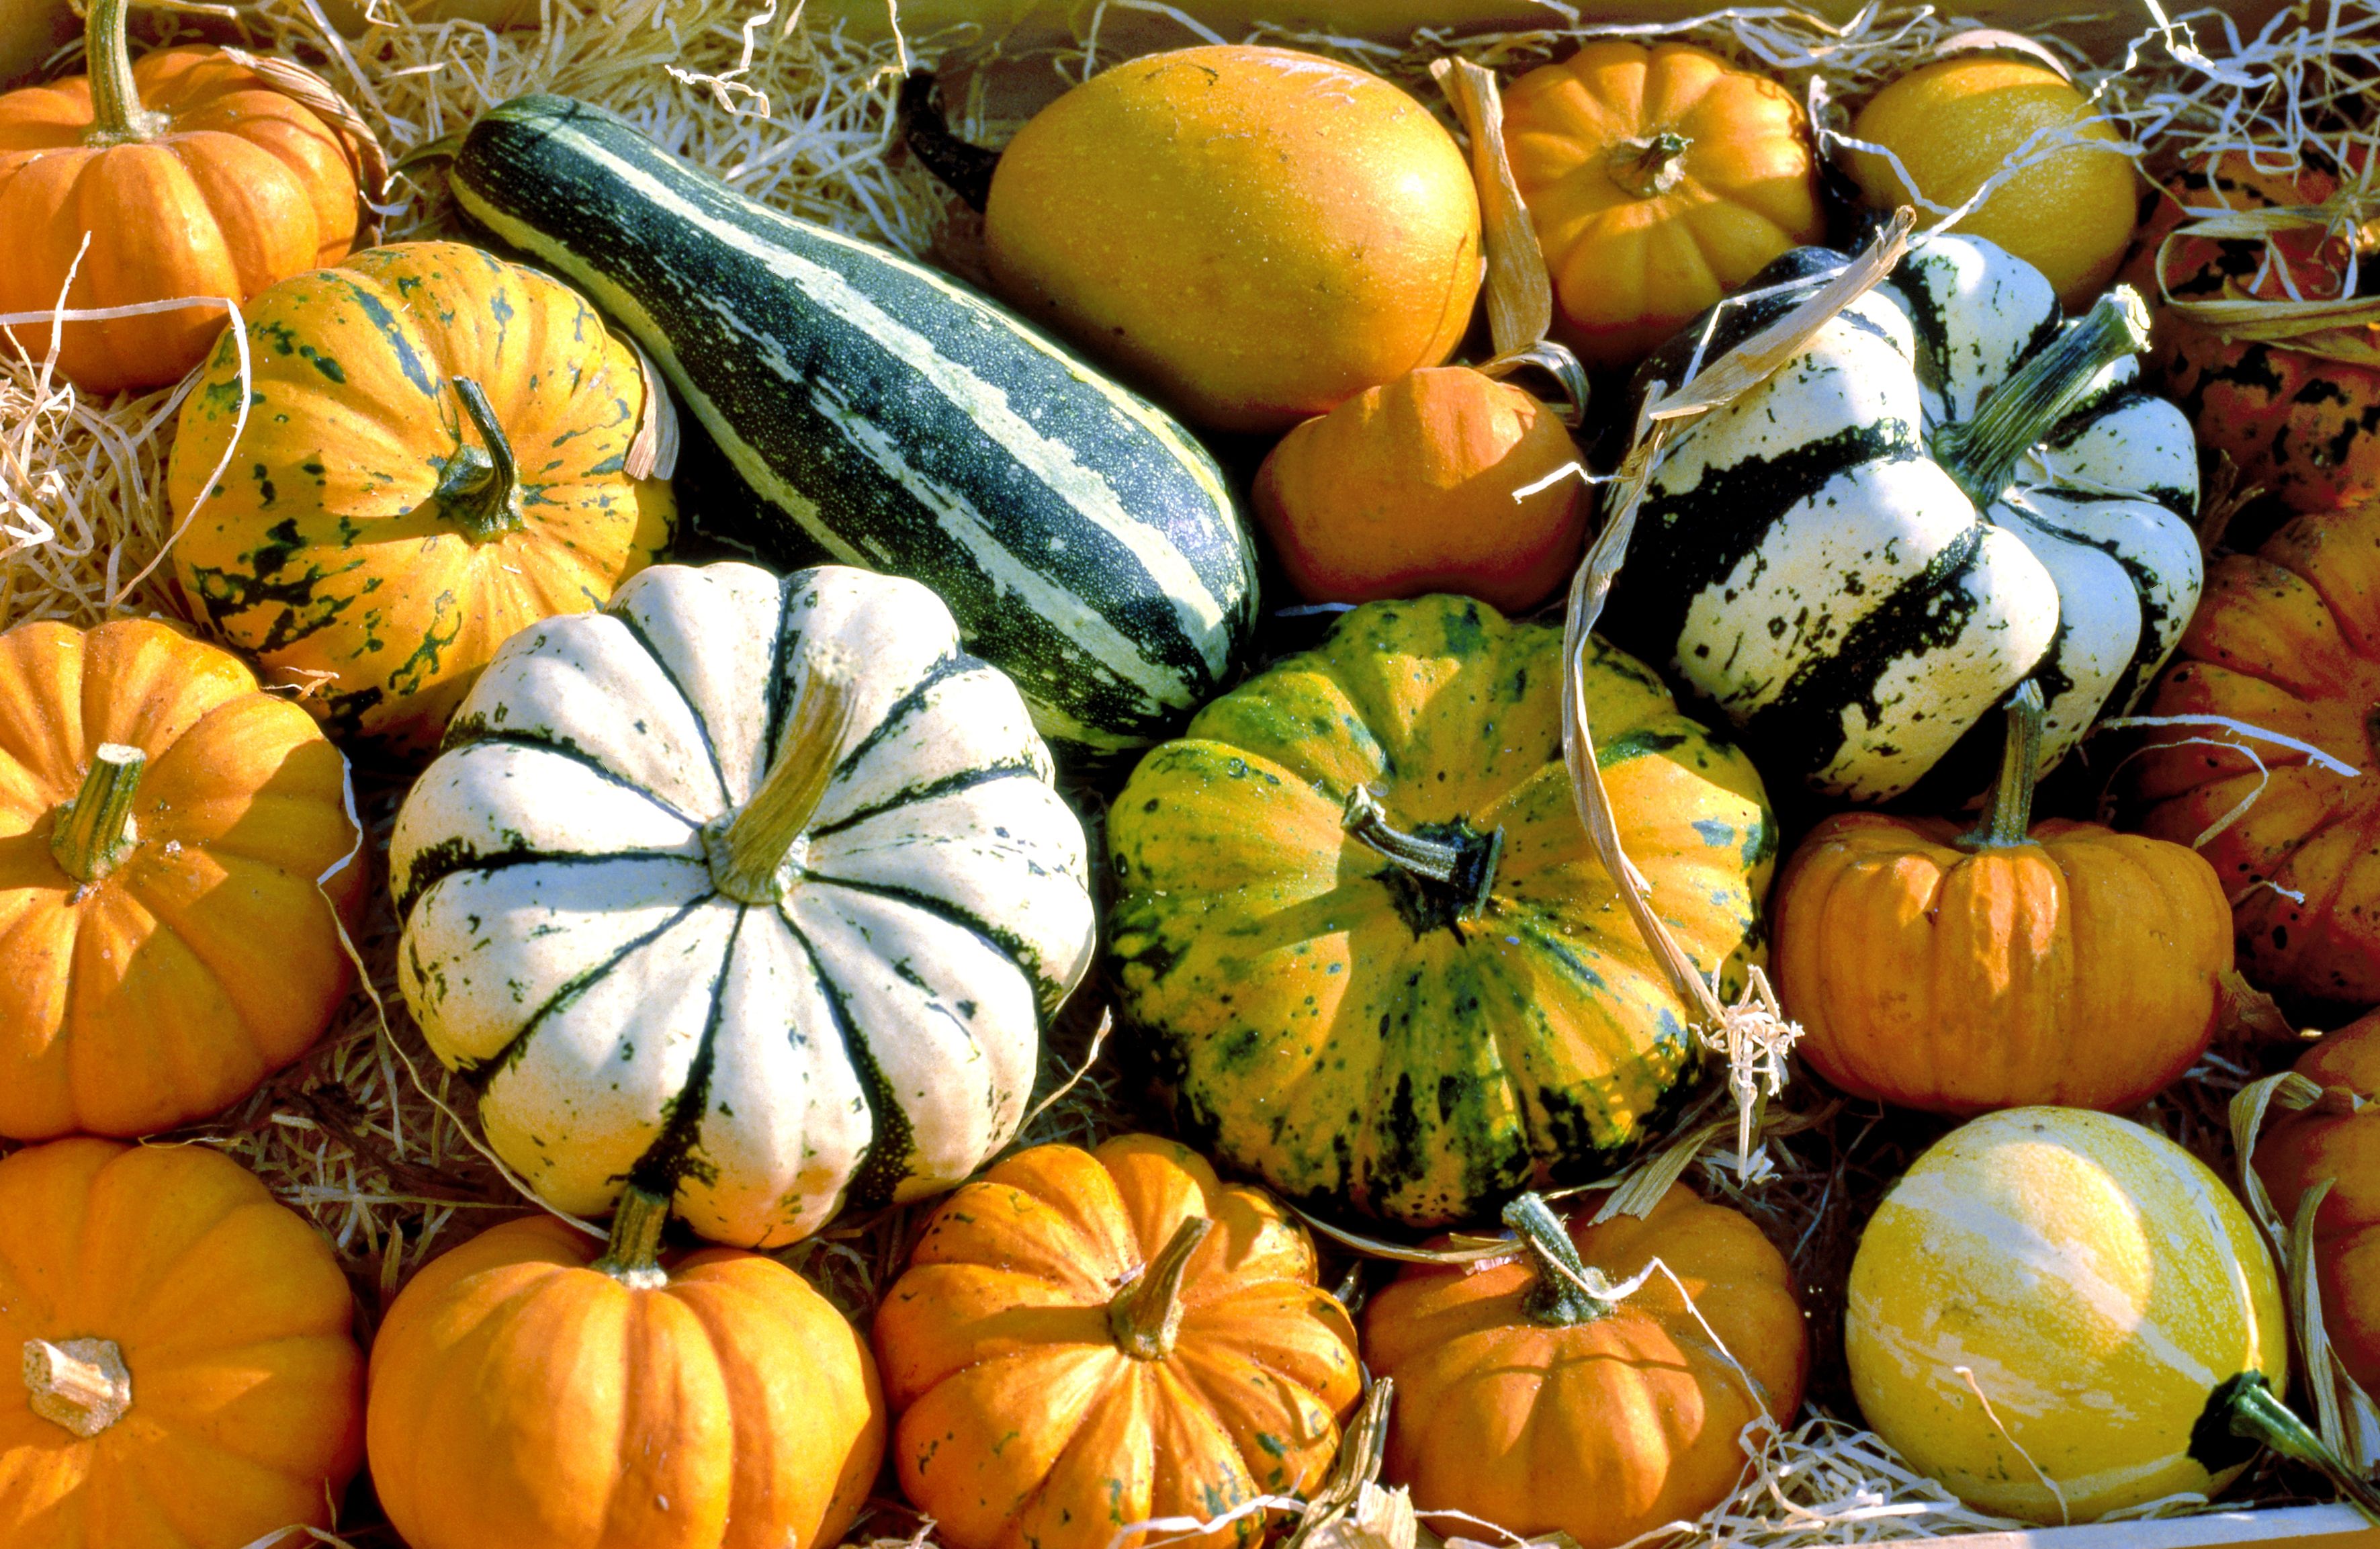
{"type": "Point", "coordinates": [1534, 1394]}
{"type": "Point", "coordinates": [191, 1379]}
{"type": "Point", "coordinates": [2005, 966]}
{"type": "Point", "coordinates": [1659, 180]}
{"type": "Point", "coordinates": [752, 893]}
{"type": "Point", "coordinates": [1410, 487]}
{"type": "Point", "coordinates": [2097, 1287]}
{"type": "Point", "coordinates": [2288, 640]}
{"type": "Point", "coordinates": [433, 457]}
{"type": "Point", "coordinates": [1366, 942]}
{"type": "Point", "coordinates": [189, 173]}
{"type": "Point", "coordinates": [1086, 1339]}
{"type": "Point", "coordinates": [524, 1395]}
{"type": "Point", "coordinates": [2300, 1150]}
{"type": "Point", "coordinates": [1255, 234]}
{"type": "Point", "coordinates": [163, 943]}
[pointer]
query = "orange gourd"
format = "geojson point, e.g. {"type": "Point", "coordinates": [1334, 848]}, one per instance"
{"type": "Point", "coordinates": [2061, 964]}
{"type": "Point", "coordinates": [2300, 1150]}
{"type": "Point", "coordinates": [193, 172]}
{"type": "Point", "coordinates": [191, 1376]}
{"type": "Point", "coordinates": [1534, 1394]}
{"type": "Point", "coordinates": [1659, 179]}
{"type": "Point", "coordinates": [163, 943]}
{"type": "Point", "coordinates": [1084, 1340]}
{"type": "Point", "coordinates": [529, 1394]}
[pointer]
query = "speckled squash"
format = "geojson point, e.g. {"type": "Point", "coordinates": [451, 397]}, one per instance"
{"type": "Point", "coordinates": [1417, 1003]}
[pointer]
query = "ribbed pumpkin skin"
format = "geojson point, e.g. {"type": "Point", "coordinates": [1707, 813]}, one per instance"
{"type": "Point", "coordinates": [523, 1399]}
{"type": "Point", "coordinates": [1628, 267]}
{"type": "Point", "coordinates": [245, 188]}
{"type": "Point", "coordinates": [2288, 639]}
{"type": "Point", "coordinates": [234, 1321]}
{"type": "Point", "coordinates": [2301, 1149]}
{"type": "Point", "coordinates": [166, 990]}
{"type": "Point", "coordinates": [1344, 1052]}
{"type": "Point", "coordinates": [2097, 1279]}
{"type": "Point", "coordinates": [1024, 1426]}
{"type": "Point", "coordinates": [2079, 969]}
{"type": "Point", "coordinates": [1601, 1429]}
{"type": "Point", "coordinates": [326, 550]}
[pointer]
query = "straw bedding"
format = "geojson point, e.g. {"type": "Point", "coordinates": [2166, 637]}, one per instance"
{"type": "Point", "coordinates": [371, 1138]}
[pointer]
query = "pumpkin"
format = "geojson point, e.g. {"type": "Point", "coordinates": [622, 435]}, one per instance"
{"type": "Point", "coordinates": [165, 943]}
{"type": "Point", "coordinates": [191, 1376]}
{"type": "Point", "coordinates": [1415, 486]}
{"type": "Point", "coordinates": [1535, 1393]}
{"type": "Point", "coordinates": [1944, 495]}
{"type": "Point", "coordinates": [750, 893]}
{"type": "Point", "coordinates": [2288, 641]}
{"type": "Point", "coordinates": [523, 1394]}
{"type": "Point", "coordinates": [2005, 966]}
{"type": "Point", "coordinates": [1954, 123]}
{"type": "Point", "coordinates": [1659, 180]}
{"type": "Point", "coordinates": [1365, 944]}
{"type": "Point", "coordinates": [2058, 1313]}
{"type": "Point", "coordinates": [1253, 234]}
{"type": "Point", "coordinates": [2300, 1150]}
{"type": "Point", "coordinates": [191, 174]}
{"type": "Point", "coordinates": [2300, 413]}
{"type": "Point", "coordinates": [1088, 1339]}
{"type": "Point", "coordinates": [432, 456]}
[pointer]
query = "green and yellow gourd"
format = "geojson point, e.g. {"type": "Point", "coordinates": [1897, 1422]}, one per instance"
{"type": "Point", "coordinates": [1362, 936]}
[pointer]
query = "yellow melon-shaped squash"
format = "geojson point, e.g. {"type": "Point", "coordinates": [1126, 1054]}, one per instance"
{"type": "Point", "coordinates": [2099, 1285]}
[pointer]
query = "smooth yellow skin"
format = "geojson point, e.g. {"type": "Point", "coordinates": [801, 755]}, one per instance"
{"type": "Point", "coordinates": [1954, 122]}
{"type": "Point", "coordinates": [2098, 1281]}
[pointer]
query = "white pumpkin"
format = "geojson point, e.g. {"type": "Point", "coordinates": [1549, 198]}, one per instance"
{"type": "Point", "coordinates": [687, 927]}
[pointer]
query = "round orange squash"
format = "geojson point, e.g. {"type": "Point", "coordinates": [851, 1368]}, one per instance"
{"type": "Point", "coordinates": [1085, 1340]}
{"type": "Point", "coordinates": [1410, 487]}
{"type": "Point", "coordinates": [1659, 179]}
{"type": "Point", "coordinates": [1254, 234]}
{"type": "Point", "coordinates": [2300, 1150]}
{"type": "Point", "coordinates": [2008, 966]}
{"type": "Point", "coordinates": [163, 945]}
{"type": "Point", "coordinates": [1530, 1395]}
{"type": "Point", "coordinates": [527, 1393]}
{"type": "Point", "coordinates": [191, 1376]}
{"type": "Point", "coordinates": [188, 173]}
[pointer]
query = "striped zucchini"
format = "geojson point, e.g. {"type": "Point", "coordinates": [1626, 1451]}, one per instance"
{"type": "Point", "coordinates": [1084, 542]}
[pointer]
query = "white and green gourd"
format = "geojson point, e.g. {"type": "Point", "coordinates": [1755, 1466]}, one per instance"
{"type": "Point", "coordinates": [751, 894]}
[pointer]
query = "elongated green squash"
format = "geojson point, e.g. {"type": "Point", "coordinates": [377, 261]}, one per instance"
{"type": "Point", "coordinates": [1084, 542]}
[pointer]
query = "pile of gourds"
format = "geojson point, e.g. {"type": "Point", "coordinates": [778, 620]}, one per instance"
{"type": "Point", "coordinates": [743, 895]}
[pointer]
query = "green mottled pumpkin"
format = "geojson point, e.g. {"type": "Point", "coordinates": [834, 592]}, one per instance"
{"type": "Point", "coordinates": [1363, 936]}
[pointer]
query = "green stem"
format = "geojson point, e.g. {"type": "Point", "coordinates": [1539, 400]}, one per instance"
{"type": "Point", "coordinates": [749, 855]}
{"type": "Point", "coordinates": [95, 829]}
{"type": "Point", "coordinates": [2246, 1406]}
{"type": "Point", "coordinates": [1980, 454]}
{"type": "Point", "coordinates": [1560, 1297]}
{"type": "Point", "coordinates": [1645, 168]}
{"type": "Point", "coordinates": [116, 115]}
{"type": "Point", "coordinates": [1466, 870]}
{"type": "Point", "coordinates": [1145, 1315]}
{"type": "Point", "coordinates": [481, 490]}
{"type": "Point", "coordinates": [2009, 819]}
{"type": "Point", "coordinates": [79, 1384]}
{"type": "Point", "coordinates": [633, 1256]}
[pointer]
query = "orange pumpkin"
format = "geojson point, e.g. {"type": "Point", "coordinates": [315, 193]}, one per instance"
{"type": "Point", "coordinates": [2065, 963]}
{"type": "Point", "coordinates": [163, 945]}
{"type": "Point", "coordinates": [1531, 1392]}
{"type": "Point", "coordinates": [1410, 487]}
{"type": "Point", "coordinates": [191, 1379]}
{"type": "Point", "coordinates": [529, 1394]}
{"type": "Point", "coordinates": [1659, 179]}
{"type": "Point", "coordinates": [1088, 1339]}
{"type": "Point", "coordinates": [2288, 640]}
{"type": "Point", "coordinates": [189, 175]}
{"type": "Point", "coordinates": [2300, 1150]}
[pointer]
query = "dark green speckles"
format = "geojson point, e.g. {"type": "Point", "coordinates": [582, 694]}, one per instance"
{"type": "Point", "coordinates": [325, 364]}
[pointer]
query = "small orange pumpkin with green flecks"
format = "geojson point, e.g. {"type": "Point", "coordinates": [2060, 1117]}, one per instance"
{"type": "Point", "coordinates": [435, 454]}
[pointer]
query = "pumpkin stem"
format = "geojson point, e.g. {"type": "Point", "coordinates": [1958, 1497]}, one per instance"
{"type": "Point", "coordinates": [1649, 166]}
{"type": "Point", "coordinates": [480, 491]}
{"type": "Point", "coordinates": [1463, 866]}
{"type": "Point", "coordinates": [82, 1384]}
{"type": "Point", "coordinates": [2246, 1407]}
{"type": "Point", "coordinates": [1145, 1315]}
{"type": "Point", "coordinates": [1564, 1294]}
{"type": "Point", "coordinates": [754, 854]}
{"type": "Point", "coordinates": [116, 115]}
{"type": "Point", "coordinates": [2009, 819]}
{"type": "Point", "coordinates": [95, 829]}
{"type": "Point", "coordinates": [633, 1256]}
{"type": "Point", "coordinates": [1980, 454]}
